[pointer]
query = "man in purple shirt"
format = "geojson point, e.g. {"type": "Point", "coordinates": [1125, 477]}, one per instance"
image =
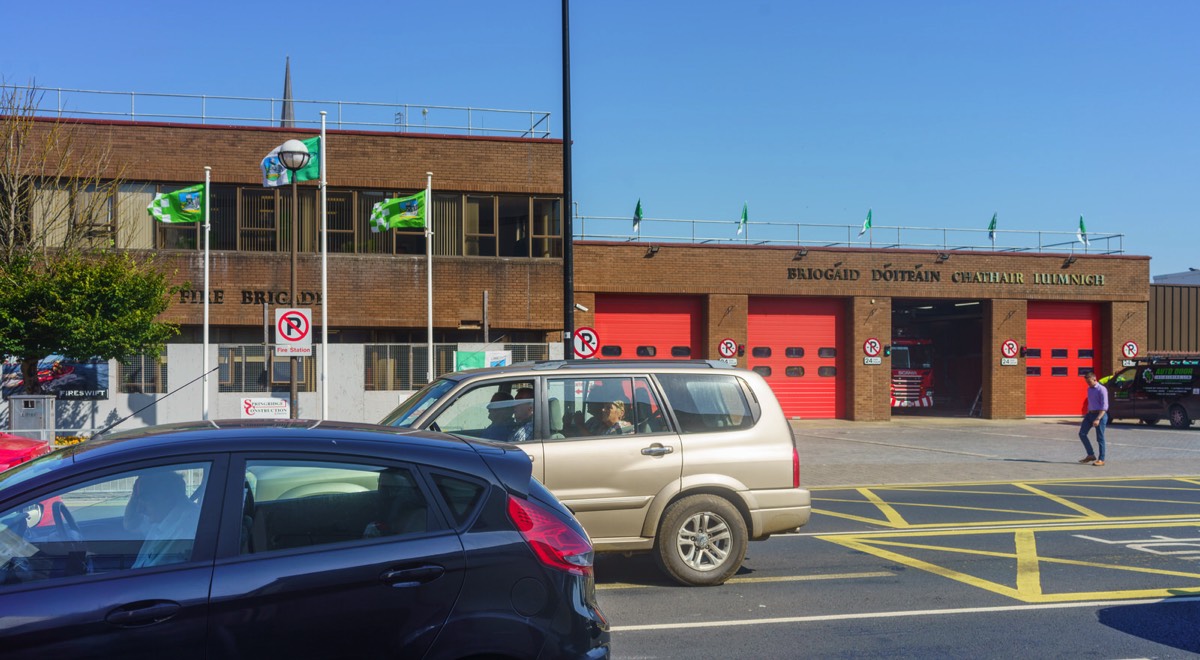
{"type": "Point", "coordinates": [1096, 417]}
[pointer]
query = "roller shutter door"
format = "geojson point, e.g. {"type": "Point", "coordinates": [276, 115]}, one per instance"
{"type": "Point", "coordinates": [796, 344]}
{"type": "Point", "coordinates": [1062, 340]}
{"type": "Point", "coordinates": [644, 327]}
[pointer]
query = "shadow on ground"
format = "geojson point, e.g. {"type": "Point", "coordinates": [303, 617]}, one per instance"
{"type": "Point", "coordinates": [1170, 623]}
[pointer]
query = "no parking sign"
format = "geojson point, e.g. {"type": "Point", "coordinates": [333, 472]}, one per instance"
{"type": "Point", "coordinates": [293, 332]}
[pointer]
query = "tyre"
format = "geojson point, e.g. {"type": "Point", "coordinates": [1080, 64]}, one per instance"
{"type": "Point", "coordinates": [1179, 417]}
{"type": "Point", "coordinates": [1150, 421]}
{"type": "Point", "coordinates": [701, 540]}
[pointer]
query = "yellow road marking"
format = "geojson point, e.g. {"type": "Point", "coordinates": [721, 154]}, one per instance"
{"type": "Point", "coordinates": [1076, 481]}
{"type": "Point", "coordinates": [1029, 588]}
{"type": "Point", "coordinates": [764, 580]}
{"type": "Point", "coordinates": [892, 515]}
{"type": "Point", "coordinates": [1029, 572]}
{"type": "Point", "coordinates": [996, 523]}
{"type": "Point", "coordinates": [1060, 500]}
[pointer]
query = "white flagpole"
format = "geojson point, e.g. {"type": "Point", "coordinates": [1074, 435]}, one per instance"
{"type": "Point", "coordinates": [324, 279]}
{"type": "Point", "coordinates": [429, 273]}
{"type": "Point", "coordinates": [204, 350]}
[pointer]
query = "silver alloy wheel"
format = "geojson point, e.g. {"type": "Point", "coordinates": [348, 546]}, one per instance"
{"type": "Point", "coordinates": [704, 541]}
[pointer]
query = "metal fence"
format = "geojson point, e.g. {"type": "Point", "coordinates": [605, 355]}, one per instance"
{"type": "Point", "coordinates": [265, 111]}
{"type": "Point", "coordinates": [792, 234]}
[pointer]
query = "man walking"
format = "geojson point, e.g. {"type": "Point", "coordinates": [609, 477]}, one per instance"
{"type": "Point", "coordinates": [1096, 417]}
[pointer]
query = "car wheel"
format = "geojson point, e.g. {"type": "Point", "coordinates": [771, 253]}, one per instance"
{"type": "Point", "coordinates": [1150, 421]}
{"type": "Point", "coordinates": [701, 540]}
{"type": "Point", "coordinates": [1179, 417]}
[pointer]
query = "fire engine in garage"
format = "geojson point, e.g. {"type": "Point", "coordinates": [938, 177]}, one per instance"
{"type": "Point", "coordinates": [912, 372]}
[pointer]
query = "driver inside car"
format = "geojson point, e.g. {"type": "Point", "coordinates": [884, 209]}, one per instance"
{"type": "Point", "coordinates": [159, 509]}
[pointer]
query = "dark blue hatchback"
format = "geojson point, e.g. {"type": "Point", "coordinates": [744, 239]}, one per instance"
{"type": "Point", "coordinates": [291, 538]}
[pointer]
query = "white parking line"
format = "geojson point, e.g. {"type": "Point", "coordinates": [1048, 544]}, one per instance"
{"type": "Point", "coordinates": [899, 614]}
{"type": "Point", "coordinates": [764, 580]}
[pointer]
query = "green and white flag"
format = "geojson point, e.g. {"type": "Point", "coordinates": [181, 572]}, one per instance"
{"type": "Point", "coordinates": [1081, 233]}
{"type": "Point", "coordinates": [866, 224]}
{"type": "Point", "coordinates": [275, 174]}
{"type": "Point", "coordinates": [186, 205]}
{"type": "Point", "coordinates": [637, 216]}
{"type": "Point", "coordinates": [992, 228]}
{"type": "Point", "coordinates": [399, 212]}
{"type": "Point", "coordinates": [742, 222]}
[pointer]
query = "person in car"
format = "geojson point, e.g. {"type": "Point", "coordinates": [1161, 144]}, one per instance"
{"type": "Point", "coordinates": [611, 419]}
{"type": "Point", "coordinates": [159, 509]}
{"type": "Point", "coordinates": [523, 415]}
{"type": "Point", "coordinates": [500, 412]}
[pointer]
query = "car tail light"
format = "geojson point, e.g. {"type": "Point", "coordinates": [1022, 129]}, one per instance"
{"type": "Point", "coordinates": [795, 467]}
{"type": "Point", "coordinates": [553, 541]}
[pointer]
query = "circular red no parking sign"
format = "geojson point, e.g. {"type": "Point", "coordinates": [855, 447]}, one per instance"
{"type": "Point", "coordinates": [293, 326]}
{"type": "Point", "coordinates": [586, 342]}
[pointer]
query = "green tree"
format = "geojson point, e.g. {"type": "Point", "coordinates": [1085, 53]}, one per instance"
{"type": "Point", "coordinates": [65, 288]}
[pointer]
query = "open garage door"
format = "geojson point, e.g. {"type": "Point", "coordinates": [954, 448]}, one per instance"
{"type": "Point", "coordinates": [936, 361]}
{"type": "Point", "coordinates": [796, 344]}
{"type": "Point", "coordinates": [1062, 341]}
{"type": "Point", "coordinates": [643, 327]}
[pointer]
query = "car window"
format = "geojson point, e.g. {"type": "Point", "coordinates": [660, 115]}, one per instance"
{"type": "Point", "coordinates": [588, 406]}
{"type": "Point", "coordinates": [707, 403]}
{"type": "Point", "coordinates": [132, 520]}
{"type": "Point", "coordinates": [461, 494]}
{"type": "Point", "coordinates": [491, 410]}
{"type": "Point", "coordinates": [295, 504]}
{"type": "Point", "coordinates": [406, 413]}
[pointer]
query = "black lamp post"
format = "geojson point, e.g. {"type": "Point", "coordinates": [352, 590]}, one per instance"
{"type": "Point", "coordinates": [294, 156]}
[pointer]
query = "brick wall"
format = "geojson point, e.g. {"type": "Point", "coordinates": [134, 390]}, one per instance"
{"type": "Point", "coordinates": [356, 159]}
{"type": "Point", "coordinates": [868, 387]}
{"type": "Point", "coordinates": [1003, 386]}
{"type": "Point", "coordinates": [727, 316]}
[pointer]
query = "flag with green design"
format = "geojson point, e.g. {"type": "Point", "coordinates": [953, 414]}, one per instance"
{"type": "Point", "coordinates": [745, 218]}
{"type": "Point", "coordinates": [1081, 233]}
{"type": "Point", "coordinates": [866, 224]}
{"type": "Point", "coordinates": [275, 174]}
{"type": "Point", "coordinates": [399, 213]}
{"type": "Point", "coordinates": [186, 205]}
{"type": "Point", "coordinates": [637, 216]}
{"type": "Point", "coordinates": [992, 228]}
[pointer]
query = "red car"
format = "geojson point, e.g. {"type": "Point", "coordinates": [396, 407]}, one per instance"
{"type": "Point", "coordinates": [15, 450]}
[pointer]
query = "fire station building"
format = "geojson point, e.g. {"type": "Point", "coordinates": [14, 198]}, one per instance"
{"type": "Point", "coordinates": [853, 332]}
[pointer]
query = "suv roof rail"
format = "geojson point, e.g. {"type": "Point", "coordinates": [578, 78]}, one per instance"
{"type": "Point", "coordinates": [551, 365]}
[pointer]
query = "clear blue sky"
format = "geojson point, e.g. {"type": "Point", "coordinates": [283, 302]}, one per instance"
{"type": "Point", "coordinates": [931, 113]}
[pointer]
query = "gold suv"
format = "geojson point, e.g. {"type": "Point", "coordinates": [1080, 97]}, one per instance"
{"type": "Point", "coordinates": [688, 459]}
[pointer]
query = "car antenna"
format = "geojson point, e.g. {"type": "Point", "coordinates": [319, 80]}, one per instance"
{"type": "Point", "coordinates": [152, 403]}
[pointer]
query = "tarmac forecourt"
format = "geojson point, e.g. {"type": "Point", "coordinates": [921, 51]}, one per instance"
{"type": "Point", "coordinates": [1036, 542]}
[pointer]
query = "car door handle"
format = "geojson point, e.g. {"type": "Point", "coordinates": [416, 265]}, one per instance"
{"type": "Point", "coordinates": [657, 449]}
{"type": "Point", "coordinates": [143, 613]}
{"type": "Point", "coordinates": [411, 577]}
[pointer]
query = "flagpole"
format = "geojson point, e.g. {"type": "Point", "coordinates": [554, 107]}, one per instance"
{"type": "Point", "coordinates": [429, 274]}
{"type": "Point", "coordinates": [204, 350]}
{"type": "Point", "coordinates": [324, 280]}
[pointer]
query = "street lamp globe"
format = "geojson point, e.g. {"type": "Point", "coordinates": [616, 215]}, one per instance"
{"type": "Point", "coordinates": [294, 155]}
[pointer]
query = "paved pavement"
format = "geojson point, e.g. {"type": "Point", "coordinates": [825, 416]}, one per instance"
{"type": "Point", "coordinates": [911, 449]}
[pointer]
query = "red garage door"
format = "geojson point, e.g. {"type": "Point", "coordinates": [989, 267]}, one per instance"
{"type": "Point", "coordinates": [796, 344]}
{"type": "Point", "coordinates": [662, 327]}
{"type": "Point", "coordinates": [1062, 341]}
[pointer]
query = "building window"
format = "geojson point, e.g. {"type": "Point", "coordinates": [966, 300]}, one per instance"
{"type": "Point", "coordinates": [794, 352]}
{"type": "Point", "coordinates": [760, 352]}
{"type": "Point", "coordinates": [610, 351]}
{"type": "Point", "coordinates": [827, 352]}
{"type": "Point", "coordinates": [646, 351]}
{"type": "Point", "coordinates": [479, 226]}
{"type": "Point", "coordinates": [547, 228]}
{"type": "Point", "coordinates": [794, 372]}
{"type": "Point", "coordinates": [681, 351]}
{"type": "Point", "coordinates": [143, 374]}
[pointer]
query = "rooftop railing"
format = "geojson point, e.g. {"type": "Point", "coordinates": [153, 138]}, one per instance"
{"type": "Point", "coordinates": [252, 111]}
{"type": "Point", "coordinates": [805, 235]}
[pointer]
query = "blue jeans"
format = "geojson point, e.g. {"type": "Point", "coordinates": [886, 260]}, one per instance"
{"type": "Point", "coordinates": [1087, 426]}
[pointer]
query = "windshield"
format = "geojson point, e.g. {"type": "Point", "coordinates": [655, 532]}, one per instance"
{"type": "Point", "coordinates": [406, 413]}
{"type": "Point", "coordinates": [919, 356]}
{"type": "Point", "coordinates": [40, 465]}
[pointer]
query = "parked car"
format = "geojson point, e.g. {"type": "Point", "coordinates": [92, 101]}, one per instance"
{"type": "Point", "coordinates": [687, 459]}
{"type": "Point", "coordinates": [15, 449]}
{"type": "Point", "coordinates": [286, 538]}
{"type": "Point", "coordinates": [1157, 388]}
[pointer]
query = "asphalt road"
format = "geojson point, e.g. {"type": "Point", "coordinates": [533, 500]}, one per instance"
{"type": "Point", "coordinates": [1089, 567]}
